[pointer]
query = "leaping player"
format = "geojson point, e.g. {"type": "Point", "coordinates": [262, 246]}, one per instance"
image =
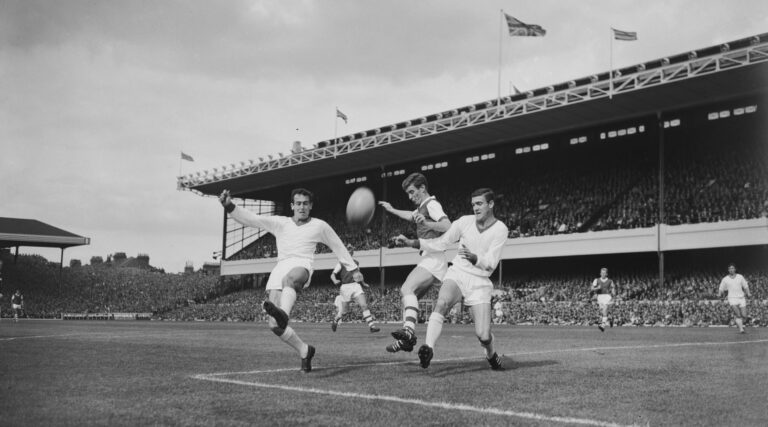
{"type": "Point", "coordinates": [431, 222]}
{"type": "Point", "coordinates": [738, 291]}
{"type": "Point", "coordinates": [296, 238]}
{"type": "Point", "coordinates": [481, 239]}
{"type": "Point", "coordinates": [606, 290]}
{"type": "Point", "coordinates": [349, 289]}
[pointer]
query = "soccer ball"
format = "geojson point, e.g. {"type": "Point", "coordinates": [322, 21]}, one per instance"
{"type": "Point", "coordinates": [361, 206]}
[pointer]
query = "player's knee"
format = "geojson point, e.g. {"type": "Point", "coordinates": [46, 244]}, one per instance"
{"type": "Point", "coordinates": [487, 341]}
{"type": "Point", "coordinates": [441, 306]}
{"type": "Point", "coordinates": [277, 330]}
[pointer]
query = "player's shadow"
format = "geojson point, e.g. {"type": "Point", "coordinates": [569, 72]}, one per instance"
{"type": "Point", "coordinates": [475, 366]}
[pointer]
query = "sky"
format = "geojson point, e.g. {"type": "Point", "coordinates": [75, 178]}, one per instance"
{"type": "Point", "coordinates": [99, 98]}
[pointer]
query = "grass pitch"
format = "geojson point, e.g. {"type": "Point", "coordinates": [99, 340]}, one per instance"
{"type": "Point", "coordinates": [230, 374]}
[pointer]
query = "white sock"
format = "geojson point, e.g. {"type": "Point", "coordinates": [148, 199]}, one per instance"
{"type": "Point", "coordinates": [368, 317]}
{"type": "Point", "coordinates": [434, 328]}
{"type": "Point", "coordinates": [288, 299]}
{"type": "Point", "coordinates": [292, 339]}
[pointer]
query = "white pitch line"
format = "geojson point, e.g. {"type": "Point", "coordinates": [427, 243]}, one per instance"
{"type": "Point", "coordinates": [215, 377]}
{"type": "Point", "coordinates": [84, 334]}
{"type": "Point", "coordinates": [638, 347]}
{"type": "Point", "coordinates": [395, 399]}
{"type": "Point", "coordinates": [458, 359]}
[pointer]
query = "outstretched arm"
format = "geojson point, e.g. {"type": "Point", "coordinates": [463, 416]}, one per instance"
{"type": "Point", "coordinates": [406, 215]}
{"type": "Point", "coordinates": [246, 217]}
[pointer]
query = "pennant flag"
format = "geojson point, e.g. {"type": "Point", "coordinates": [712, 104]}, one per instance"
{"type": "Point", "coordinates": [519, 28]}
{"type": "Point", "coordinates": [517, 91]}
{"type": "Point", "coordinates": [624, 35]}
{"type": "Point", "coordinates": [341, 115]}
{"type": "Point", "coordinates": [187, 157]}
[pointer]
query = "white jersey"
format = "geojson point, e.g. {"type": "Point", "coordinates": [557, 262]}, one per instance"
{"type": "Point", "coordinates": [297, 241]}
{"type": "Point", "coordinates": [486, 245]}
{"type": "Point", "coordinates": [734, 285]}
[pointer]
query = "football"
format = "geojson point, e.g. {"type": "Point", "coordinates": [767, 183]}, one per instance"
{"type": "Point", "coordinates": [361, 206]}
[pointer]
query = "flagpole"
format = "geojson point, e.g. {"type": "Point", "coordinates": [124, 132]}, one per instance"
{"type": "Point", "coordinates": [335, 131]}
{"type": "Point", "coordinates": [610, 81]}
{"type": "Point", "coordinates": [501, 30]}
{"type": "Point", "coordinates": [180, 162]}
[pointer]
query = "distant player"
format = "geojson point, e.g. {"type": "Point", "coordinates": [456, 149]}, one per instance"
{"type": "Point", "coordinates": [431, 221]}
{"type": "Point", "coordinates": [481, 238]}
{"type": "Point", "coordinates": [498, 312]}
{"type": "Point", "coordinates": [738, 291]}
{"type": "Point", "coordinates": [17, 304]}
{"type": "Point", "coordinates": [296, 238]}
{"type": "Point", "coordinates": [349, 289]}
{"type": "Point", "coordinates": [606, 290]}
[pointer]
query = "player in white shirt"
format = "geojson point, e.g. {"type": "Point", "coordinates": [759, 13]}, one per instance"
{"type": "Point", "coordinates": [738, 291]}
{"type": "Point", "coordinates": [606, 290]}
{"type": "Point", "coordinates": [350, 289]}
{"type": "Point", "coordinates": [431, 221]}
{"type": "Point", "coordinates": [481, 239]}
{"type": "Point", "coordinates": [296, 238]}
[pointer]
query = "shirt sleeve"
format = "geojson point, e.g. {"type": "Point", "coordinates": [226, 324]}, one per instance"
{"type": "Point", "coordinates": [722, 286]}
{"type": "Point", "coordinates": [336, 269]}
{"type": "Point", "coordinates": [250, 219]}
{"type": "Point", "coordinates": [490, 259]}
{"type": "Point", "coordinates": [333, 241]}
{"type": "Point", "coordinates": [439, 244]}
{"type": "Point", "coordinates": [435, 210]}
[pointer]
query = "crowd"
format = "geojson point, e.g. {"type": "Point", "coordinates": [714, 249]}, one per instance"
{"type": "Point", "coordinates": [603, 187]}
{"type": "Point", "coordinates": [687, 298]}
{"type": "Point", "coordinates": [49, 291]}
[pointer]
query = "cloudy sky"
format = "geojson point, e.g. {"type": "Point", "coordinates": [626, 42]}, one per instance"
{"type": "Point", "coordinates": [98, 98]}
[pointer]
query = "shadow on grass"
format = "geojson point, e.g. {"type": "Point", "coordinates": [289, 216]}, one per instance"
{"type": "Point", "coordinates": [482, 365]}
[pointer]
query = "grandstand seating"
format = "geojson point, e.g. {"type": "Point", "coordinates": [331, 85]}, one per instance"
{"type": "Point", "coordinates": [606, 186]}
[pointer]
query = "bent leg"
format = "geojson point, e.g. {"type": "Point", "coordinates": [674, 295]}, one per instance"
{"type": "Point", "coordinates": [449, 295]}
{"type": "Point", "coordinates": [416, 284]}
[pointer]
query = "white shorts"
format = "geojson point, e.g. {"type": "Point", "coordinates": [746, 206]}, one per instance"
{"type": "Point", "coordinates": [435, 263]}
{"type": "Point", "coordinates": [738, 301]}
{"type": "Point", "coordinates": [349, 291]}
{"type": "Point", "coordinates": [283, 267]}
{"type": "Point", "coordinates": [475, 289]}
{"type": "Point", "coordinates": [16, 306]}
{"type": "Point", "coordinates": [604, 299]}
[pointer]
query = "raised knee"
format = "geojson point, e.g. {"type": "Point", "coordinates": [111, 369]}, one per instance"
{"type": "Point", "coordinates": [486, 342]}
{"type": "Point", "coordinates": [277, 330]}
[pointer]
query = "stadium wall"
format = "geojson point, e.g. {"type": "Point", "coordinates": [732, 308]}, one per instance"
{"type": "Point", "coordinates": [665, 238]}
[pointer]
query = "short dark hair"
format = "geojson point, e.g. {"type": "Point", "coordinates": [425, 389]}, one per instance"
{"type": "Point", "coordinates": [730, 264]}
{"type": "Point", "coordinates": [417, 180]}
{"type": "Point", "coordinates": [303, 192]}
{"type": "Point", "coordinates": [489, 195]}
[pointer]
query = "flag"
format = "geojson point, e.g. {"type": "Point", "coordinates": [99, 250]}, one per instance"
{"type": "Point", "coordinates": [624, 35]}
{"type": "Point", "coordinates": [187, 157]}
{"type": "Point", "coordinates": [341, 115]}
{"type": "Point", "coordinates": [519, 28]}
{"type": "Point", "coordinates": [517, 91]}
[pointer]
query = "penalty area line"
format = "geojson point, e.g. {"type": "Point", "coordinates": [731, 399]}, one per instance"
{"type": "Point", "coordinates": [521, 353]}
{"type": "Point", "coordinates": [418, 402]}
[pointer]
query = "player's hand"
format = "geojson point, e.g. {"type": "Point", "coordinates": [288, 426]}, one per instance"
{"type": "Point", "coordinates": [225, 198]}
{"type": "Point", "coordinates": [419, 218]}
{"type": "Point", "coordinates": [467, 255]}
{"type": "Point", "coordinates": [386, 205]}
{"type": "Point", "coordinates": [400, 240]}
{"type": "Point", "coordinates": [357, 276]}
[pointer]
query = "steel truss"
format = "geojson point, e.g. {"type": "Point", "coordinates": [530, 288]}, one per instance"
{"type": "Point", "coordinates": [628, 79]}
